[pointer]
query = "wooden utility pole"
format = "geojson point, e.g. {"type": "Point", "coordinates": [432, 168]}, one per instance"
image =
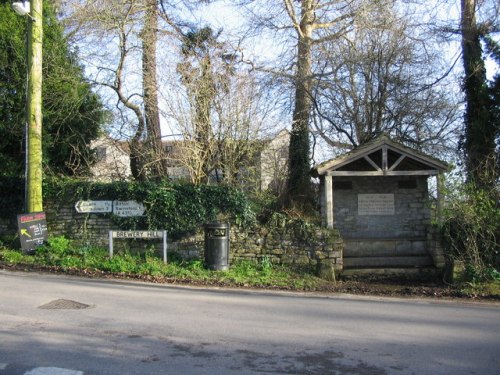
{"type": "Point", "coordinates": [34, 108]}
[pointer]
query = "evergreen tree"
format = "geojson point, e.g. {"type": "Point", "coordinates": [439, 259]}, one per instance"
{"type": "Point", "coordinates": [72, 113]}
{"type": "Point", "coordinates": [481, 124]}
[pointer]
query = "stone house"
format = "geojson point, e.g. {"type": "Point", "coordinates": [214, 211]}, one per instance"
{"type": "Point", "coordinates": [274, 162]}
{"type": "Point", "coordinates": [377, 197]}
{"type": "Point", "coordinates": [113, 162]}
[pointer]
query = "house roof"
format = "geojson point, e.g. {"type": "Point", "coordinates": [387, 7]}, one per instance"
{"type": "Point", "coordinates": [382, 157]}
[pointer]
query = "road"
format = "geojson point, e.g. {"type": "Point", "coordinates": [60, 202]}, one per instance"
{"type": "Point", "coordinates": [59, 325]}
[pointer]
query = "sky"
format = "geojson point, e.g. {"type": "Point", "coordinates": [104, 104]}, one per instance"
{"type": "Point", "coordinates": [222, 14]}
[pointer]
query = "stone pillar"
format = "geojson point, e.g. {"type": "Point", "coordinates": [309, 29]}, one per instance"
{"type": "Point", "coordinates": [440, 188]}
{"type": "Point", "coordinates": [328, 191]}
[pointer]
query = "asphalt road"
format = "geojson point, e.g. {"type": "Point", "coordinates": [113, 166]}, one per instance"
{"type": "Point", "coordinates": [58, 325]}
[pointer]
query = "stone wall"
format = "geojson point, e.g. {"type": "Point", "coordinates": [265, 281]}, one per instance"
{"type": "Point", "coordinates": [279, 246]}
{"type": "Point", "coordinates": [323, 248]}
{"type": "Point", "coordinates": [385, 222]}
{"type": "Point", "coordinates": [410, 218]}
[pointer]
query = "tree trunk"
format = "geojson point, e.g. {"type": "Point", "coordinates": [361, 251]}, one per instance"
{"type": "Point", "coordinates": [156, 162]}
{"type": "Point", "coordinates": [203, 122]}
{"type": "Point", "coordinates": [479, 142]}
{"type": "Point", "coordinates": [299, 181]}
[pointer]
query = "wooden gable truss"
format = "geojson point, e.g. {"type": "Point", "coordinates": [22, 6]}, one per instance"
{"type": "Point", "coordinates": [382, 157]}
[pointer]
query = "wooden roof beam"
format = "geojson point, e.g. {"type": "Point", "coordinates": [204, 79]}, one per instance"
{"type": "Point", "coordinates": [430, 172]}
{"type": "Point", "coordinates": [372, 163]}
{"type": "Point", "coordinates": [397, 162]}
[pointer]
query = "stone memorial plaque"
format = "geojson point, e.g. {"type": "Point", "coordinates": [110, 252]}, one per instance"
{"type": "Point", "coordinates": [375, 204]}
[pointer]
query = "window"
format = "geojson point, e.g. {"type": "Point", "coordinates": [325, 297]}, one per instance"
{"type": "Point", "coordinates": [407, 184]}
{"type": "Point", "coordinates": [342, 185]}
{"type": "Point", "coordinates": [100, 153]}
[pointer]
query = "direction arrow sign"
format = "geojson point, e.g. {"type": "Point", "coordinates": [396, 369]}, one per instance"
{"type": "Point", "coordinates": [89, 207]}
{"type": "Point", "coordinates": [128, 208]}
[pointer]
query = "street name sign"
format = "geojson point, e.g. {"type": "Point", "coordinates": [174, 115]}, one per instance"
{"type": "Point", "coordinates": [32, 230]}
{"type": "Point", "coordinates": [145, 234]}
{"type": "Point", "coordinates": [93, 207]}
{"type": "Point", "coordinates": [138, 234]}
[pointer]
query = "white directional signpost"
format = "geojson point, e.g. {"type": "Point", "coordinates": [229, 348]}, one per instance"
{"type": "Point", "coordinates": [93, 207]}
{"type": "Point", "coordinates": [119, 208]}
{"type": "Point", "coordinates": [128, 208]}
{"type": "Point", "coordinates": [122, 209]}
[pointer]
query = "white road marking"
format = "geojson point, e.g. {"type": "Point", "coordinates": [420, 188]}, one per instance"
{"type": "Point", "coordinates": [3, 366]}
{"type": "Point", "coordinates": [52, 371]}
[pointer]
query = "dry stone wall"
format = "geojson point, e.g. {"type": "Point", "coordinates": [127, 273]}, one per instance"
{"type": "Point", "coordinates": [322, 248]}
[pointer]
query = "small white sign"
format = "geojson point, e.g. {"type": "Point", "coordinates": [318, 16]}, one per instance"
{"type": "Point", "coordinates": [128, 208]}
{"type": "Point", "coordinates": [146, 234]}
{"type": "Point", "coordinates": [88, 207]}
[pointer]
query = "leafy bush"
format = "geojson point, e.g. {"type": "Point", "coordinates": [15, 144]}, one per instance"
{"type": "Point", "coordinates": [12, 197]}
{"type": "Point", "coordinates": [125, 263]}
{"type": "Point", "coordinates": [471, 229]}
{"type": "Point", "coordinates": [14, 257]}
{"type": "Point", "coordinates": [182, 208]}
{"type": "Point", "coordinates": [57, 245]}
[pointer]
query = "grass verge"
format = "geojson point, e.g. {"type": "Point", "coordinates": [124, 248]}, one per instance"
{"type": "Point", "coordinates": [60, 256]}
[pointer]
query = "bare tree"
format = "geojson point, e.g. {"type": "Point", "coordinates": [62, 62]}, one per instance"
{"type": "Point", "coordinates": [114, 37]}
{"type": "Point", "coordinates": [383, 76]}
{"type": "Point", "coordinates": [225, 111]}
{"type": "Point", "coordinates": [306, 25]}
{"type": "Point", "coordinates": [198, 76]}
{"type": "Point", "coordinates": [239, 112]}
{"type": "Point", "coordinates": [309, 17]}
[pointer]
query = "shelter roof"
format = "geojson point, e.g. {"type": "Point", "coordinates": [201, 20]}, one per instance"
{"type": "Point", "coordinates": [382, 157]}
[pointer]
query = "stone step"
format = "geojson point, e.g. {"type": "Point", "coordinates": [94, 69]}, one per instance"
{"type": "Point", "coordinates": [380, 247]}
{"type": "Point", "coordinates": [382, 273]}
{"type": "Point", "coordinates": [388, 262]}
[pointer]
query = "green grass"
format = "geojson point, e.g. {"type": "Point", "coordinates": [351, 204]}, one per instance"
{"type": "Point", "coordinates": [61, 254]}
{"type": "Point", "coordinates": [481, 289]}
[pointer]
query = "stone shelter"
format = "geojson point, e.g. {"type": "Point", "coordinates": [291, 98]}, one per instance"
{"type": "Point", "coordinates": [377, 196]}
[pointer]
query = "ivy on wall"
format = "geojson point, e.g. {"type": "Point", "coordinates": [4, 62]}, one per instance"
{"type": "Point", "coordinates": [180, 208]}
{"type": "Point", "coordinates": [11, 197]}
